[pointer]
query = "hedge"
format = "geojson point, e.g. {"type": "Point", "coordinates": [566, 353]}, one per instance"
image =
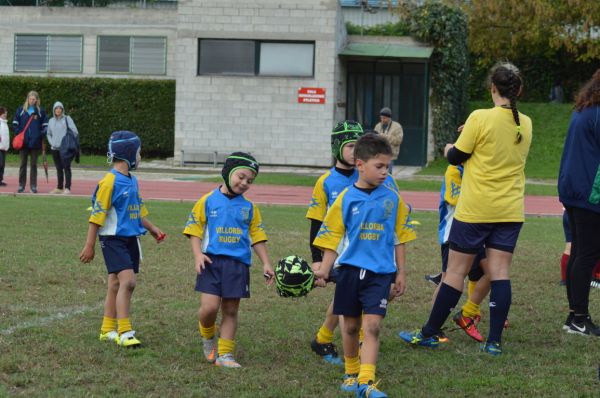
{"type": "Point", "coordinates": [101, 106]}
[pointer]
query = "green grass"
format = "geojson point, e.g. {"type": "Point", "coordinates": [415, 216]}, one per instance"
{"type": "Point", "coordinates": [550, 123]}
{"type": "Point", "coordinates": [51, 308]}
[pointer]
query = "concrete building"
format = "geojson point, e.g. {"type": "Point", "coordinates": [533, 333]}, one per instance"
{"type": "Point", "coordinates": [271, 77]}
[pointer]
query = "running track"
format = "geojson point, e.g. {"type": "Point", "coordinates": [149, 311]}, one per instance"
{"type": "Point", "coordinates": [264, 194]}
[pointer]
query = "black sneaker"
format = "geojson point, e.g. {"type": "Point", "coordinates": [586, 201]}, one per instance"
{"type": "Point", "coordinates": [434, 278]}
{"type": "Point", "coordinates": [327, 351]}
{"type": "Point", "coordinates": [585, 328]}
{"type": "Point", "coordinates": [567, 324]}
{"type": "Point", "coordinates": [33, 189]}
{"type": "Point", "coordinates": [21, 190]}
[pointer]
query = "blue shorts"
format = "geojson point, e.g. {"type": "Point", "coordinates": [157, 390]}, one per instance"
{"type": "Point", "coordinates": [567, 228]}
{"type": "Point", "coordinates": [225, 277]}
{"type": "Point", "coordinates": [470, 238]}
{"type": "Point", "coordinates": [120, 253]}
{"type": "Point", "coordinates": [476, 271]}
{"type": "Point", "coordinates": [360, 291]}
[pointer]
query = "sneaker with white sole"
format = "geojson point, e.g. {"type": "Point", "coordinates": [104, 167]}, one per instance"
{"type": "Point", "coordinates": [128, 340]}
{"type": "Point", "coordinates": [209, 346]}
{"type": "Point", "coordinates": [67, 191]}
{"type": "Point", "coordinates": [227, 361]}
{"type": "Point", "coordinates": [109, 336]}
{"type": "Point", "coordinates": [56, 191]}
{"type": "Point", "coordinates": [585, 328]}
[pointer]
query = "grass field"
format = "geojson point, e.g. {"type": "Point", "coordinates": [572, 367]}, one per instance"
{"type": "Point", "coordinates": [51, 307]}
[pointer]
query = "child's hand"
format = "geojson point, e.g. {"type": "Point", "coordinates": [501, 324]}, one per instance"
{"type": "Point", "coordinates": [315, 266]}
{"type": "Point", "coordinates": [158, 234]}
{"type": "Point", "coordinates": [87, 254]}
{"type": "Point", "coordinates": [320, 276]}
{"type": "Point", "coordinates": [399, 286]}
{"type": "Point", "coordinates": [268, 274]}
{"type": "Point", "coordinates": [201, 262]}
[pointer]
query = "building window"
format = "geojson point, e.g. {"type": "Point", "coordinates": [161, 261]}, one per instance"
{"type": "Point", "coordinates": [134, 55]}
{"type": "Point", "coordinates": [255, 58]}
{"type": "Point", "coordinates": [48, 53]}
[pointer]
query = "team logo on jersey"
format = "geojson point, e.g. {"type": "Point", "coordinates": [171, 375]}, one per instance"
{"type": "Point", "coordinates": [324, 230]}
{"type": "Point", "coordinates": [334, 195]}
{"type": "Point", "coordinates": [97, 208]}
{"type": "Point", "coordinates": [454, 189]}
{"type": "Point", "coordinates": [245, 212]}
{"type": "Point", "coordinates": [125, 193]}
{"type": "Point", "coordinates": [213, 213]}
{"type": "Point", "coordinates": [383, 303]}
{"type": "Point", "coordinates": [388, 208]}
{"type": "Point", "coordinates": [313, 202]}
{"type": "Point", "coordinates": [355, 210]}
{"type": "Point", "coordinates": [191, 220]}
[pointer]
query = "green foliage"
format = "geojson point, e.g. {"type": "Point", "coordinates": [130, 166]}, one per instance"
{"type": "Point", "coordinates": [445, 28]}
{"type": "Point", "coordinates": [101, 106]}
{"type": "Point", "coordinates": [399, 28]}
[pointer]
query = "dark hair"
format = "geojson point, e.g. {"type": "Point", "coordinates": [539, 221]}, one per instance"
{"type": "Point", "coordinates": [589, 94]}
{"type": "Point", "coordinates": [370, 145]}
{"type": "Point", "coordinates": [2, 110]}
{"type": "Point", "coordinates": [507, 79]}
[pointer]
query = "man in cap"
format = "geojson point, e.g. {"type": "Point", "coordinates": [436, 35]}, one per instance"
{"type": "Point", "coordinates": [390, 130]}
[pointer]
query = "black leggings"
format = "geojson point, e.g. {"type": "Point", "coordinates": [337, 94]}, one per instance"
{"type": "Point", "coordinates": [585, 253]}
{"type": "Point", "coordinates": [63, 171]}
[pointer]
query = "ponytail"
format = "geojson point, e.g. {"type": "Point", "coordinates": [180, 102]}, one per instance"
{"type": "Point", "coordinates": [507, 79]}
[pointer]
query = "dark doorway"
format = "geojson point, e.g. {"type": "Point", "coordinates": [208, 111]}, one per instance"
{"type": "Point", "coordinates": [401, 86]}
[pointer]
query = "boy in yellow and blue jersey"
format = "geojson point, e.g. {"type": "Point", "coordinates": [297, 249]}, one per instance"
{"type": "Point", "coordinates": [325, 192]}
{"type": "Point", "coordinates": [118, 218]}
{"type": "Point", "coordinates": [374, 220]}
{"type": "Point", "coordinates": [222, 227]}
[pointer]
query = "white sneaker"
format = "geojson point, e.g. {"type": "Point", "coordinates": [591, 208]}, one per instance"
{"type": "Point", "coordinates": [209, 347]}
{"type": "Point", "coordinates": [67, 191]}
{"type": "Point", "coordinates": [56, 191]}
{"type": "Point", "coordinates": [227, 361]}
{"type": "Point", "coordinates": [128, 340]}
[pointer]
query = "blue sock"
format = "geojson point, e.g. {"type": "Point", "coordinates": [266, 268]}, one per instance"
{"type": "Point", "coordinates": [500, 299]}
{"type": "Point", "coordinates": [445, 302]}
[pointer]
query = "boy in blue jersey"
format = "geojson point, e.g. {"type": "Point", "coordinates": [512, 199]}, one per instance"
{"type": "Point", "coordinates": [222, 227]}
{"type": "Point", "coordinates": [119, 218]}
{"type": "Point", "coordinates": [374, 220]}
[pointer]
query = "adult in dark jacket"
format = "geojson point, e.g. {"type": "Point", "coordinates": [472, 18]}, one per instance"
{"type": "Point", "coordinates": [579, 192]}
{"type": "Point", "coordinates": [58, 126]}
{"type": "Point", "coordinates": [34, 135]}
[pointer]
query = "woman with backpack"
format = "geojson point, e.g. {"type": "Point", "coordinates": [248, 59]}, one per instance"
{"type": "Point", "coordinates": [58, 127]}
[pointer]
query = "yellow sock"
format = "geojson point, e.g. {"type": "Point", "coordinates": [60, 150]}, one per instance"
{"type": "Point", "coordinates": [324, 335]}
{"type": "Point", "coordinates": [470, 309]}
{"type": "Point", "coordinates": [207, 333]}
{"type": "Point", "coordinates": [367, 373]}
{"type": "Point", "coordinates": [471, 288]}
{"type": "Point", "coordinates": [226, 346]}
{"type": "Point", "coordinates": [352, 365]}
{"type": "Point", "coordinates": [108, 325]}
{"type": "Point", "coordinates": [124, 325]}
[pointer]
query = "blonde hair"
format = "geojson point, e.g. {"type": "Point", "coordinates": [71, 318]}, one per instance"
{"type": "Point", "coordinates": [38, 102]}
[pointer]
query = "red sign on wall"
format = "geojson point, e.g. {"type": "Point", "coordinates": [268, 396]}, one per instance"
{"type": "Point", "coordinates": [311, 95]}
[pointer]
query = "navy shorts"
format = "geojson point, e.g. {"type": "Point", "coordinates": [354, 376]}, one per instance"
{"type": "Point", "coordinates": [225, 277]}
{"type": "Point", "coordinates": [471, 237]}
{"type": "Point", "coordinates": [567, 228]}
{"type": "Point", "coordinates": [476, 271]}
{"type": "Point", "coordinates": [120, 253]}
{"type": "Point", "coordinates": [360, 291]}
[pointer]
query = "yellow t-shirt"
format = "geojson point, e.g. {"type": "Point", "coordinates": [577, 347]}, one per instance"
{"type": "Point", "coordinates": [493, 183]}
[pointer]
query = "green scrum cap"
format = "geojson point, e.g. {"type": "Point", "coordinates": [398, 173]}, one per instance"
{"type": "Point", "coordinates": [342, 134]}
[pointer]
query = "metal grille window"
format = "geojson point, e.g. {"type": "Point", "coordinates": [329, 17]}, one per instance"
{"type": "Point", "coordinates": [255, 57]}
{"type": "Point", "coordinates": [135, 55]}
{"type": "Point", "coordinates": [47, 53]}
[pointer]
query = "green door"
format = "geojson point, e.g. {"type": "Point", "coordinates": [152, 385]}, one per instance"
{"type": "Point", "coordinates": [400, 85]}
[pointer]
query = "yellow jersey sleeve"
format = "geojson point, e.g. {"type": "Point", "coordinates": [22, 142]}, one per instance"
{"type": "Point", "coordinates": [318, 202]}
{"type": "Point", "coordinates": [257, 231]}
{"type": "Point", "coordinates": [196, 221]}
{"type": "Point", "coordinates": [405, 231]}
{"type": "Point", "coordinates": [453, 180]}
{"type": "Point", "coordinates": [469, 135]}
{"type": "Point", "coordinates": [333, 229]}
{"type": "Point", "coordinates": [143, 209]}
{"type": "Point", "coordinates": [103, 199]}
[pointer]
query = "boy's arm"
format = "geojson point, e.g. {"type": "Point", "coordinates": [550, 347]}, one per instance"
{"type": "Point", "coordinates": [399, 286]}
{"type": "Point", "coordinates": [260, 249]}
{"type": "Point", "coordinates": [200, 259]}
{"type": "Point", "coordinates": [154, 230]}
{"type": "Point", "coordinates": [87, 254]}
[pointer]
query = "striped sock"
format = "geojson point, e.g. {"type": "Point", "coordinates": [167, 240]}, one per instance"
{"type": "Point", "coordinates": [226, 346]}
{"type": "Point", "coordinates": [352, 365]}
{"type": "Point", "coordinates": [207, 333]}
{"type": "Point", "coordinates": [367, 373]}
{"type": "Point", "coordinates": [108, 325]}
{"type": "Point", "coordinates": [324, 335]}
{"type": "Point", "coordinates": [124, 325]}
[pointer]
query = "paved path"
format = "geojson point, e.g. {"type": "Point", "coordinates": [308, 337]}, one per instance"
{"type": "Point", "coordinates": [168, 189]}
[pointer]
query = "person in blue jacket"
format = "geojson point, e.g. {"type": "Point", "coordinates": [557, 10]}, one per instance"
{"type": "Point", "coordinates": [32, 118]}
{"type": "Point", "coordinates": [579, 192]}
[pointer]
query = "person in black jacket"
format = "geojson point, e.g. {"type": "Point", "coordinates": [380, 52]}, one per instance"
{"type": "Point", "coordinates": [32, 118]}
